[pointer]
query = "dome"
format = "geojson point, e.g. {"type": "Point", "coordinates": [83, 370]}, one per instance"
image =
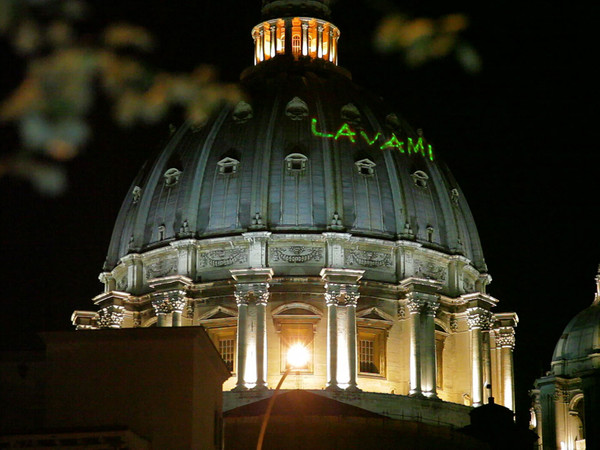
{"type": "Point", "coordinates": [309, 213]}
{"type": "Point", "coordinates": [306, 151]}
{"type": "Point", "coordinates": [579, 343]}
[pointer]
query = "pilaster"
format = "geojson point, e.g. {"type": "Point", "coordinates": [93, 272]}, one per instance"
{"type": "Point", "coordinates": [257, 251]}
{"type": "Point", "coordinates": [135, 272]}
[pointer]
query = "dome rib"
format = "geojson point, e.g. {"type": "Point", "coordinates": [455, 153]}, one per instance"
{"type": "Point", "coordinates": [377, 205]}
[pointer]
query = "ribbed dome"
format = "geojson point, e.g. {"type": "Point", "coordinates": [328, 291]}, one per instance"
{"type": "Point", "coordinates": [306, 151]}
{"type": "Point", "coordinates": [580, 340]}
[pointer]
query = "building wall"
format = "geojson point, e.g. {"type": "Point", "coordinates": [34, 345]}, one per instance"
{"type": "Point", "coordinates": [163, 384]}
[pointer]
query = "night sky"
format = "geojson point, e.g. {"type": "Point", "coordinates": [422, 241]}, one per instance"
{"type": "Point", "coordinates": [518, 137]}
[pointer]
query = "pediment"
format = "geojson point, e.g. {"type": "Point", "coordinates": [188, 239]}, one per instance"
{"type": "Point", "coordinates": [375, 316]}
{"type": "Point", "coordinates": [219, 312]}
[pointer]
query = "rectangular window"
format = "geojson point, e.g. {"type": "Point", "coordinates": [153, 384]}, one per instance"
{"type": "Point", "coordinates": [367, 356]}
{"type": "Point", "coordinates": [226, 349]}
{"type": "Point", "coordinates": [371, 351]}
{"type": "Point", "coordinates": [225, 341]}
{"type": "Point", "coordinates": [297, 334]}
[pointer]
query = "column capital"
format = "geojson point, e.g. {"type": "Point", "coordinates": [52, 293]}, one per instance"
{"type": "Point", "coordinates": [161, 302]}
{"type": "Point", "coordinates": [110, 316]}
{"type": "Point", "coordinates": [505, 337]}
{"type": "Point", "coordinates": [428, 306]}
{"type": "Point", "coordinates": [245, 292]}
{"type": "Point", "coordinates": [341, 293]}
{"type": "Point", "coordinates": [479, 318]}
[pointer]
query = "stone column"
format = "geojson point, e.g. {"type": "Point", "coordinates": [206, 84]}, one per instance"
{"type": "Point", "coordinates": [261, 293]}
{"type": "Point", "coordinates": [261, 44]}
{"type": "Point", "coordinates": [341, 286]}
{"type": "Point", "coordinates": [304, 38]}
{"type": "Point", "coordinates": [414, 307]}
{"type": "Point", "coordinates": [422, 303]}
{"type": "Point", "coordinates": [169, 299]}
{"type": "Point", "coordinates": [319, 41]}
{"type": "Point", "coordinates": [179, 302]}
{"type": "Point", "coordinates": [241, 299]}
{"type": "Point", "coordinates": [506, 340]}
{"type": "Point", "coordinates": [252, 296]}
{"type": "Point", "coordinates": [478, 320]}
{"type": "Point", "coordinates": [255, 49]}
{"type": "Point", "coordinates": [331, 300]}
{"type": "Point", "coordinates": [162, 308]}
{"type": "Point", "coordinates": [429, 372]}
{"type": "Point", "coordinates": [330, 47]}
{"type": "Point", "coordinates": [351, 298]}
{"type": "Point", "coordinates": [273, 41]}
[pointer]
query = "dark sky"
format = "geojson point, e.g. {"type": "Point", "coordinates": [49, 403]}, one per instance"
{"type": "Point", "coordinates": [518, 137]}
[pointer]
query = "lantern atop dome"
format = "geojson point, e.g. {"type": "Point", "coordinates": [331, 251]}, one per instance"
{"type": "Point", "coordinates": [295, 27]}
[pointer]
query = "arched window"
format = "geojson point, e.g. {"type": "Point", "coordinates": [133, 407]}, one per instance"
{"type": "Point", "coordinates": [296, 44]}
{"type": "Point", "coordinates": [420, 178]}
{"type": "Point", "coordinates": [171, 176]}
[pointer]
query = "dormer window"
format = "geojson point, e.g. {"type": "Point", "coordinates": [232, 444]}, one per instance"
{"type": "Point", "coordinates": [295, 163]}
{"type": "Point", "coordinates": [420, 178]}
{"type": "Point", "coordinates": [228, 166]}
{"type": "Point", "coordinates": [172, 177]}
{"type": "Point", "coordinates": [365, 167]}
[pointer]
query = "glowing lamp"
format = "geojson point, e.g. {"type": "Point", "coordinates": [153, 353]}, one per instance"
{"type": "Point", "coordinates": [297, 356]}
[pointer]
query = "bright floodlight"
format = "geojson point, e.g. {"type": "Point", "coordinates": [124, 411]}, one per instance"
{"type": "Point", "coordinates": [297, 356]}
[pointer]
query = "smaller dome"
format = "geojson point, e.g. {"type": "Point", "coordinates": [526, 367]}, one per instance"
{"type": "Point", "coordinates": [579, 346]}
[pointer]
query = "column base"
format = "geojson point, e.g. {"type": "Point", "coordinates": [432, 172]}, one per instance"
{"type": "Point", "coordinates": [240, 388]}
{"type": "Point", "coordinates": [431, 395]}
{"type": "Point", "coordinates": [353, 388]}
{"type": "Point", "coordinates": [416, 394]}
{"type": "Point", "coordinates": [333, 388]}
{"type": "Point", "coordinates": [260, 387]}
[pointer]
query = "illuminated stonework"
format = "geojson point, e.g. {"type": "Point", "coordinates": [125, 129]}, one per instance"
{"type": "Point", "coordinates": [310, 214]}
{"type": "Point", "coordinates": [299, 36]}
{"type": "Point", "coordinates": [566, 401]}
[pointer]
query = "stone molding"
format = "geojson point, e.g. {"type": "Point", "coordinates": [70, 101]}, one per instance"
{"type": "Point", "coordinates": [479, 318]}
{"type": "Point", "coordinates": [505, 337]}
{"type": "Point", "coordinates": [110, 316]}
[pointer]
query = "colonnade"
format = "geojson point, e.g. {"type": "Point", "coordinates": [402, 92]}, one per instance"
{"type": "Point", "coordinates": [299, 36]}
{"type": "Point", "coordinates": [491, 336]}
